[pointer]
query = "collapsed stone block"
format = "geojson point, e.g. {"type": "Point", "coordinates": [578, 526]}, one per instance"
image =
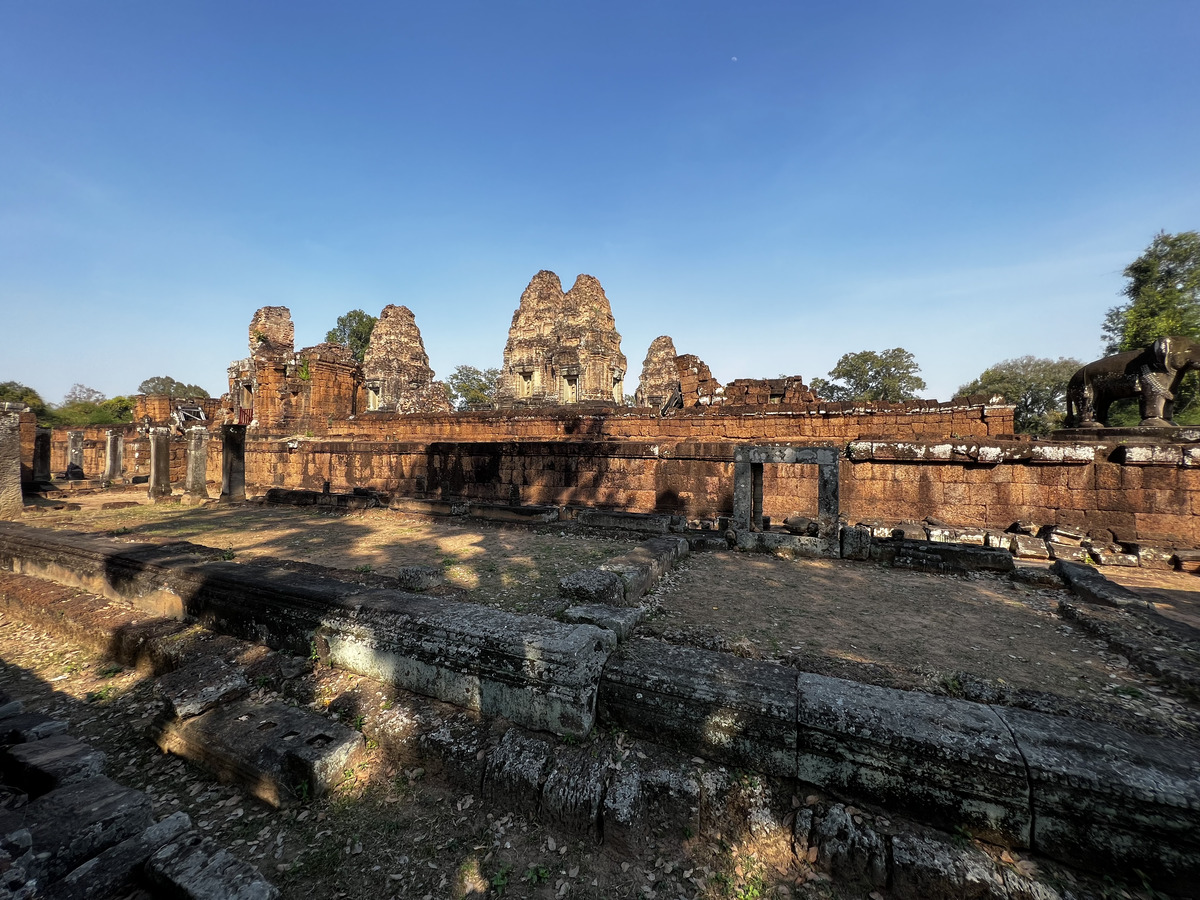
{"type": "Point", "coordinates": [851, 850]}
{"type": "Point", "coordinates": [856, 543]}
{"type": "Point", "coordinates": [29, 726]}
{"type": "Point", "coordinates": [102, 876]}
{"type": "Point", "coordinates": [653, 793]}
{"type": "Point", "coordinates": [201, 686]}
{"type": "Point", "coordinates": [928, 869]}
{"type": "Point", "coordinates": [516, 770]}
{"type": "Point", "coordinates": [53, 762]}
{"type": "Point", "coordinates": [194, 866]}
{"type": "Point", "coordinates": [79, 820]}
{"type": "Point", "coordinates": [274, 751]}
{"type": "Point", "coordinates": [574, 789]}
{"type": "Point", "coordinates": [1088, 584]}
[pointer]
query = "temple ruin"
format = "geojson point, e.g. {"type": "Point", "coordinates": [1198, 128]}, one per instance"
{"type": "Point", "coordinates": [562, 348]}
{"type": "Point", "coordinates": [396, 367]}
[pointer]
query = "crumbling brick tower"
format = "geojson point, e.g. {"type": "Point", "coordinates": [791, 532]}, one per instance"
{"type": "Point", "coordinates": [562, 348]}
{"type": "Point", "coordinates": [255, 383]}
{"type": "Point", "coordinates": [396, 367]}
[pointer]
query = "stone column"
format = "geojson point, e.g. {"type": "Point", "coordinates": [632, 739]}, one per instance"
{"type": "Point", "coordinates": [828, 502]}
{"type": "Point", "coordinates": [114, 456]}
{"type": "Point", "coordinates": [743, 489]}
{"type": "Point", "coordinates": [160, 464]}
{"type": "Point", "coordinates": [195, 486]}
{"type": "Point", "coordinates": [41, 456]}
{"type": "Point", "coordinates": [233, 462]}
{"type": "Point", "coordinates": [74, 454]}
{"type": "Point", "coordinates": [10, 461]}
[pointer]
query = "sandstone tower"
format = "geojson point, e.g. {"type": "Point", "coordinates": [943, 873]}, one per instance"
{"type": "Point", "coordinates": [562, 348]}
{"type": "Point", "coordinates": [660, 377]}
{"type": "Point", "coordinates": [396, 367]}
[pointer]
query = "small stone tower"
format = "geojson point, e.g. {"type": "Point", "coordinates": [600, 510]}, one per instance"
{"type": "Point", "coordinates": [396, 367]}
{"type": "Point", "coordinates": [562, 348]}
{"type": "Point", "coordinates": [660, 377]}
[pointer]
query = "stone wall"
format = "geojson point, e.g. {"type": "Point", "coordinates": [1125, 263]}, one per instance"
{"type": "Point", "coordinates": [156, 409]}
{"type": "Point", "coordinates": [980, 484]}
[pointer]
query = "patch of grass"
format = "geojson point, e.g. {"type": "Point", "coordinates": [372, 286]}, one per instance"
{"type": "Point", "coordinates": [110, 670]}
{"type": "Point", "coordinates": [228, 554]}
{"type": "Point", "coordinates": [536, 874]}
{"type": "Point", "coordinates": [500, 880]}
{"type": "Point", "coordinates": [102, 695]}
{"type": "Point", "coordinates": [364, 569]}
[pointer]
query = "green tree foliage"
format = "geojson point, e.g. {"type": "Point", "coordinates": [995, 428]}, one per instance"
{"type": "Point", "coordinates": [1162, 290]}
{"type": "Point", "coordinates": [84, 405]}
{"type": "Point", "coordinates": [889, 376]}
{"type": "Point", "coordinates": [353, 330]}
{"type": "Point", "coordinates": [15, 392]}
{"type": "Point", "coordinates": [1036, 386]}
{"type": "Point", "coordinates": [468, 386]}
{"type": "Point", "coordinates": [1162, 287]}
{"type": "Point", "coordinates": [165, 384]}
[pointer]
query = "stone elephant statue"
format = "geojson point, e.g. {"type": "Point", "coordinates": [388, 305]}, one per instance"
{"type": "Point", "coordinates": [1152, 375]}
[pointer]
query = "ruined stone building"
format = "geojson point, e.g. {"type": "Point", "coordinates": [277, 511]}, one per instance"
{"type": "Point", "coordinates": [562, 348]}
{"type": "Point", "coordinates": [278, 389]}
{"type": "Point", "coordinates": [396, 367]}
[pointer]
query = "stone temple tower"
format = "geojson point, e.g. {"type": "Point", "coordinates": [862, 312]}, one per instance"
{"type": "Point", "coordinates": [396, 367]}
{"type": "Point", "coordinates": [562, 348]}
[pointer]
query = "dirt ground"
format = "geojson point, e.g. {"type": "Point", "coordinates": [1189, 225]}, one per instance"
{"type": "Point", "coordinates": [516, 569]}
{"type": "Point", "coordinates": [986, 638]}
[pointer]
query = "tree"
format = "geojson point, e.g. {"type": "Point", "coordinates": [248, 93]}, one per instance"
{"type": "Point", "coordinates": [15, 392]}
{"type": "Point", "coordinates": [468, 386]}
{"type": "Point", "coordinates": [1036, 386]}
{"type": "Point", "coordinates": [889, 376]}
{"type": "Point", "coordinates": [1163, 291]}
{"type": "Point", "coordinates": [1162, 287]}
{"type": "Point", "coordinates": [353, 330]}
{"type": "Point", "coordinates": [81, 393]}
{"type": "Point", "coordinates": [165, 384]}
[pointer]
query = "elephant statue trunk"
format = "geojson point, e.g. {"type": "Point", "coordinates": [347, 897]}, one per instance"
{"type": "Point", "coordinates": [1152, 375]}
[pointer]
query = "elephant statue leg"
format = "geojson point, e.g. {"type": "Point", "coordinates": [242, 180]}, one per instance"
{"type": "Point", "coordinates": [1081, 405]}
{"type": "Point", "coordinates": [1157, 401]}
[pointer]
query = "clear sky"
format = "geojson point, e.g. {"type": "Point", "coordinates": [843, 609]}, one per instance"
{"type": "Point", "coordinates": [772, 184]}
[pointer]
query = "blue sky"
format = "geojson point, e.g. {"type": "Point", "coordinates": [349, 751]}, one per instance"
{"type": "Point", "coordinates": [772, 184]}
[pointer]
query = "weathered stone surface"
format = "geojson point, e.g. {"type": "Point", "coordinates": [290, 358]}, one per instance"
{"type": "Point", "coordinates": [620, 622]}
{"type": "Point", "coordinates": [1067, 552]}
{"type": "Point", "coordinates": [159, 487]}
{"type": "Point", "coordinates": [1034, 574]}
{"type": "Point", "coordinates": [856, 543]}
{"type": "Point", "coordinates": [79, 820]}
{"type": "Point", "coordinates": [955, 559]}
{"type": "Point", "coordinates": [100, 877]}
{"type": "Point", "coordinates": [11, 502]}
{"type": "Point", "coordinates": [274, 751]}
{"type": "Point", "coordinates": [516, 771]}
{"type": "Point", "coordinates": [641, 568]}
{"type": "Point", "coordinates": [201, 686]}
{"type": "Point", "coordinates": [396, 367]}
{"type": "Point", "coordinates": [928, 869]}
{"type": "Point", "coordinates": [851, 850]}
{"type": "Point", "coordinates": [737, 711]}
{"type": "Point", "coordinates": [504, 512]}
{"type": "Point", "coordinates": [594, 586]}
{"type": "Point", "coordinates": [52, 762]}
{"type": "Point", "coordinates": [194, 867]}
{"type": "Point", "coordinates": [233, 463]}
{"type": "Point", "coordinates": [787, 390]}
{"type": "Point", "coordinates": [1105, 798]}
{"type": "Point", "coordinates": [651, 793]}
{"type": "Point", "coordinates": [29, 726]}
{"type": "Point", "coordinates": [940, 760]}
{"type": "Point", "coordinates": [574, 789]}
{"type": "Point", "coordinates": [696, 382]}
{"type": "Point", "coordinates": [419, 578]}
{"type": "Point", "coordinates": [1154, 558]}
{"type": "Point", "coordinates": [1088, 584]}
{"type": "Point", "coordinates": [272, 333]}
{"type": "Point", "coordinates": [562, 348]}
{"type": "Point", "coordinates": [461, 746]}
{"type": "Point", "coordinates": [1027, 547]}
{"type": "Point", "coordinates": [652, 523]}
{"type": "Point", "coordinates": [533, 671]}
{"type": "Point", "coordinates": [196, 481]}
{"type": "Point", "coordinates": [660, 378]}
